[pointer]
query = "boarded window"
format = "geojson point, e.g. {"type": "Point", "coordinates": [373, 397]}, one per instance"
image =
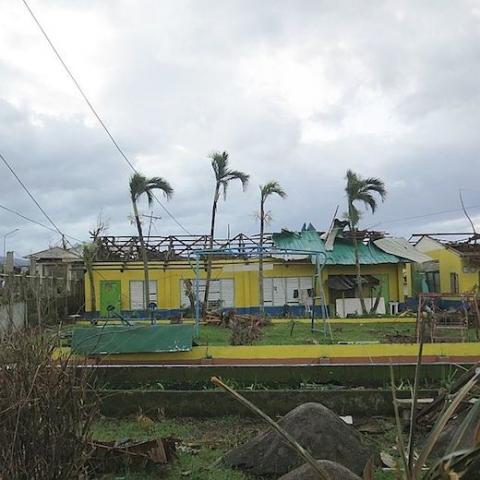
{"type": "Point", "coordinates": [137, 294]}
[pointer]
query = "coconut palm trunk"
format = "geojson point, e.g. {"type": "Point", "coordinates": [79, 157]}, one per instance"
{"type": "Point", "coordinates": [210, 247]}
{"type": "Point", "coordinates": [270, 188]}
{"type": "Point", "coordinates": [223, 176]}
{"type": "Point", "coordinates": [362, 190]}
{"type": "Point", "coordinates": [260, 259]}
{"type": "Point", "coordinates": [358, 272]}
{"type": "Point", "coordinates": [140, 185]}
{"type": "Point", "coordinates": [146, 276]}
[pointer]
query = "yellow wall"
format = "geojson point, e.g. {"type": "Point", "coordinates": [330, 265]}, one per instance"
{"type": "Point", "coordinates": [451, 262]}
{"type": "Point", "coordinates": [244, 273]}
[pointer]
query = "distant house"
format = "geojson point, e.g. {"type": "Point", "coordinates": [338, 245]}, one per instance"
{"type": "Point", "coordinates": [455, 265]}
{"type": "Point", "coordinates": [323, 273]}
{"type": "Point", "coordinates": [58, 262]}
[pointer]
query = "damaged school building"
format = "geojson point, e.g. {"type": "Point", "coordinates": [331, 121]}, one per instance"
{"type": "Point", "coordinates": [293, 283]}
{"type": "Point", "coordinates": [454, 267]}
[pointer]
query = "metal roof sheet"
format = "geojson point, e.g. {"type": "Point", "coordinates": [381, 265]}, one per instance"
{"type": "Point", "coordinates": [343, 252]}
{"type": "Point", "coordinates": [402, 248]}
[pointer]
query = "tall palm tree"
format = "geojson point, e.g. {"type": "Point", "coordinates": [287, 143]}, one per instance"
{"type": "Point", "coordinates": [139, 185]}
{"type": "Point", "coordinates": [362, 190]}
{"type": "Point", "coordinates": [270, 188]}
{"type": "Point", "coordinates": [223, 176]}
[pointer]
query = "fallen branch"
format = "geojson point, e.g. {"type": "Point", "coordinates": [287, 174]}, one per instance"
{"type": "Point", "coordinates": [321, 472]}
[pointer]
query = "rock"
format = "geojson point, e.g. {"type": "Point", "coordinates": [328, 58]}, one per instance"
{"type": "Point", "coordinates": [335, 470]}
{"type": "Point", "coordinates": [313, 426]}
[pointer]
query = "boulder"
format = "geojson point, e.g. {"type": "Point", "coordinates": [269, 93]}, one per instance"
{"type": "Point", "coordinates": [316, 428]}
{"type": "Point", "coordinates": [335, 470]}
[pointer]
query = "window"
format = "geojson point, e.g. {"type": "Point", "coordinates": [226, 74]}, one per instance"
{"type": "Point", "coordinates": [291, 290]}
{"type": "Point", "coordinates": [137, 294]}
{"type": "Point", "coordinates": [433, 281]}
{"type": "Point", "coordinates": [221, 294]}
{"type": "Point", "coordinates": [454, 287]}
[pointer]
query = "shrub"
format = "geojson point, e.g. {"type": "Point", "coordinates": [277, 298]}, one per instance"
{"type": "Point", "coordinates": [45, 410]}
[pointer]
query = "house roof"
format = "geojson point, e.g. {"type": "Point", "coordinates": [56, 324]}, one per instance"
{"type": "Point", "coordinates": [343, 252]}
{"type": "Point", "coordinates": [57, 253]}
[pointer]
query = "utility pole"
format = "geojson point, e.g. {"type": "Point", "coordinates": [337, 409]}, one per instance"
{"type": "Point", "coordinates": [5, 244]}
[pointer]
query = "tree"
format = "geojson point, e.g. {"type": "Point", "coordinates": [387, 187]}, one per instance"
{"type": "Point", "coordinates": [140, 185]}
{"type": "Point", "coordinates": [270, 188]}
{"type": "Point", "coordinates": [362, 190]}
{"type": "Point", "coordinates": [223, 176]}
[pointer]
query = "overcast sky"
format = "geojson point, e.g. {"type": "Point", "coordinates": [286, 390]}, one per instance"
{"type": "Point", "coordinates": [296, 91]}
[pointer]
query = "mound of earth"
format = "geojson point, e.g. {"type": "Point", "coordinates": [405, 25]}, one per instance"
{"type": "Point", "coordinates": [316, 428]}
{"type": "Point", "coordinates": [334, 470]}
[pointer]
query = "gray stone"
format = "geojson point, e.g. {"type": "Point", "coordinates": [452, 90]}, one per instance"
{"type": "Point", "coordinates": [334, 470]}
{"type": "Point", "coordinates": [316, 428]}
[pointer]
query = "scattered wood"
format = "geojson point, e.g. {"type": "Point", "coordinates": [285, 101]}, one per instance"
{"type": "Point", "coordinates": [108, 456]}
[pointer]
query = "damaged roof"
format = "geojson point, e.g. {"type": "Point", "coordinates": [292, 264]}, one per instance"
{"type": "Point", "coordinates": [343, 252]}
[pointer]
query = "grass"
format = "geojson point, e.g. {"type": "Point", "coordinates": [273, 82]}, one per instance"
{"type": "Point", "coordinates": [299, 333]}
{"type": "Point", "coordinates": [201, 443]}
{"type": "Point", "coordinates": [282, 334]}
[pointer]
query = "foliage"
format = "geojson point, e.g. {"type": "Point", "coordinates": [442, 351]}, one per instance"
{"type": "Point", "coordinates": [46, 411]}
{"type": "Point", "coordinates": [360, 189]}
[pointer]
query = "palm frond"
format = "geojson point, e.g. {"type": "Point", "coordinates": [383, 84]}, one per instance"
{"type": "Point", "coordinates": [237, 175]}
{"type": "Point", "coordinates": [219, 164]}
{"type": "Point", "coordinates": [160, 183]}
{"type": "Point", "coordinates": [360, 189]}
{"type": "Point", "coordinates": [137, 185]}
{"type": "Point", "coordinates": [140, 184]}
{"type": "Point", "coordinates": [271, 188]}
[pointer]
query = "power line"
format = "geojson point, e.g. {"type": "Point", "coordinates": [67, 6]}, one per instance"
{"type": "Point", "coordinates": [14, 212]}
{"type": "Point", "coordinates": [30, 194]}
{"type": "Point", "coordinates": [422, 216]}
{"type": "Point", "coordinates": [97, 116]}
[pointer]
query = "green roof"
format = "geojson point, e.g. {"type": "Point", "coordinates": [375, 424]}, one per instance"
{"type": "Point", "coordinates": [343, 252]}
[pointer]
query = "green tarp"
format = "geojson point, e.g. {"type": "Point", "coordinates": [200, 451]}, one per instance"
{"type": "Point", "coordinates": [124, 339]}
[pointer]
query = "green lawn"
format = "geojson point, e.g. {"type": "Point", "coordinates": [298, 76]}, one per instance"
{"type": "Point", "coordinates": [301, 334]}
{"type": "Point", "coordinates": [201, 443]}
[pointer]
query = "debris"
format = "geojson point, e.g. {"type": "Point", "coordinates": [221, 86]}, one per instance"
{"type": "Point", "coordinates": [335, 470]}
{"type": "Point", "coordinates": [317, 429]}
{"type": "Point", "coordinates": [108, 456]}
{"type": "Point", "coordinates": [388, 460]}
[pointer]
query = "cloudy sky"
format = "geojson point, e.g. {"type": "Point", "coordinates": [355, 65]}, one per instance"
{"type": "Point", "coordinates": [297, 91]}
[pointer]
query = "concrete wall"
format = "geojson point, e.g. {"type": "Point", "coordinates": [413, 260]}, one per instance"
{"type": "Point", "coordinates": [15, 317]}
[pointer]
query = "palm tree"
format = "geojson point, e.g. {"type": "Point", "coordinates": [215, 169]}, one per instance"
{"type": "Point", "coordinates": [139, 185]}
{"type": "Point", "coordinates": [223, 176]}
{"type": "Point", "coordinates": [362, 190]}
{"type": "Point", "coordinates": [270, 188]}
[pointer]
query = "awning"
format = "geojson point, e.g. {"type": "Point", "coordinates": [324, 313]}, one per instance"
{"type": "Point", "coordinates": [349, 282]}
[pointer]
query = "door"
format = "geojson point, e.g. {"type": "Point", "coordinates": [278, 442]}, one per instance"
{"type": "Point", "coordinates": [110, 294]}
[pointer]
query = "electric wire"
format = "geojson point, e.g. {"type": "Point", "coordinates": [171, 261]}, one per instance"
{"type": "Point", "coordinates": [421, 216]}
{"type": "Point", "coordinates": [14, 212]}
{"type": "Point", "coordinates": [95, 113]}
{"type": "Point", "coordinates": [30, 194]}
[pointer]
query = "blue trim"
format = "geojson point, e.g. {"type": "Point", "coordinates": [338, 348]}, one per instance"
{"type": "Point", "coordinates": [279, 312]}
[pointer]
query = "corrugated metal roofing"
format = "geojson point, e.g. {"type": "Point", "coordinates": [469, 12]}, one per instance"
{"type": "Point", "coordinates": [402, 248]}
{"type": "Point", "coordinates": [343, 252]}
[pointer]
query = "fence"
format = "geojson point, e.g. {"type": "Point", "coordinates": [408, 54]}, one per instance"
{"type": "Point", "coordinates": [46, 300]}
